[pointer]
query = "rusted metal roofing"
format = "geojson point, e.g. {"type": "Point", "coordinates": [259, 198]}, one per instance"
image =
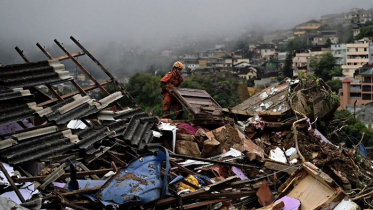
{"type": "Point", "coordinates": [32, 74]}
{"type": "Point", "coordinates": [193, 99]}
{"type": "Point", "coordinates": [273, 99]}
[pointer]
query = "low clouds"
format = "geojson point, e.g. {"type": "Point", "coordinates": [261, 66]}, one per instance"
{"type": "Point", "coordinates": [149, 24]}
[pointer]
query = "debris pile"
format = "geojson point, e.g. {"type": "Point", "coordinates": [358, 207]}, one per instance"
{"type": "Point", "coordinates": [75, 151]}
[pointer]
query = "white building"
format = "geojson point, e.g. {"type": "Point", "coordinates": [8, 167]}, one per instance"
{"type": "Point", "coordinates": [357, 55]}
{"type": "Point", "coordinates": [339, 52]}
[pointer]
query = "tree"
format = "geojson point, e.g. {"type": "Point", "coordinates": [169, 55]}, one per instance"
{"type": "Point", "coordinates": [328, 42]}
{"type": "Point", "coordinates": [352, 130]}
{"type": "Point", "coordinates": [223, 87]}
{"type": "Point", "coordinates": [298, 43]}
{"type": "Point", "coordinates": [335, 85]}
{"type": "Point", "coordinates": [323, 65]}
{"type": "Point", "coordinates": [364, 32]}
{"type": "Point", "coordinates": [145, 89]}
{"type": "Point", "coordinates": [288, 67]}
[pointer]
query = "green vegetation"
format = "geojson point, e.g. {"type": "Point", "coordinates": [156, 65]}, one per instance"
{"type": "Point", "coordinates": [287, 70]}
{"type": "Point", "coordinates": [144, 88]}
{"type": "Point", "coordinates": [223, 87]}
{"type": "Point", "coordinates": [324, 66]}
{"type": "Point", "coordinates": [364, 32]}
{"type": "Point", "coordinates": [345, 128]}
{"type": "Point", "coordinates": [335, 85]}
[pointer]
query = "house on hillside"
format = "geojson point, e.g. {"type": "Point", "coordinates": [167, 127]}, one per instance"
{"type": "Point", "coordinates": [302, 59]}
{"type": "Point", "coordinates": [357, 54]}
{"type": "Point", "coordinates": [339, 53]}
{"type": "Point", "coordinates": [356, 29]}
{"type": "Point", "coordinates": [310, 25]}
{"type": "Point", "coordinates": [322, 36]}
{"type": "Point", "coordinates": [359, 90]}
{"type": "Point", "coordinates": [267, 51]}
{"type": "Point", "coordinates": [334, 19]}
{"type": "Point", "coordinates": [190, 61]}
{"type": "Point", "coordinates": [246, 72]}
{"type": "Point", "coordinates": [365, 16]}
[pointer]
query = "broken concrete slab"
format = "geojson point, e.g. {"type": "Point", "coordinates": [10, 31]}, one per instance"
{"type": "Point", "coordinates": [211, 148]}
{"type": "Point", "coordinates": [226, 135]}
{"type": "Point", "coordinates": [187, 148]}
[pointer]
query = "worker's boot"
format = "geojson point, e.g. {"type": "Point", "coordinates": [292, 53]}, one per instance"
{"type": "Point", "coordinates": [166, 114]}
{"type": "Point", "coordinates": [179, 114]}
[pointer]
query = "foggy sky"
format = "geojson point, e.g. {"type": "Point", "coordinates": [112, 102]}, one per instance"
{"type": "Point", "coordinates": [151, 22]}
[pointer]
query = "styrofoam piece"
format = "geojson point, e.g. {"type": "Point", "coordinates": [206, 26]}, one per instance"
{"type": "Point", "coordinates": [277, 155]}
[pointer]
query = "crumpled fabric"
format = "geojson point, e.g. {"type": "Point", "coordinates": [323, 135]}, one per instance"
{"type": "Point", "coordinates": [185, 128]}
{"type": "Point", "coordinates": [190, 179]}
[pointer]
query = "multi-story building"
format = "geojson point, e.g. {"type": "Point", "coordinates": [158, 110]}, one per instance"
{"type": "Point", "coordinates": [190, 61]}
{"type": "Point", "coordinates": [357, 55]}
{"type": "Point", "coordinates": [359, 90]}
{"type": "Point", "coordinates": [267, 51]}
{"type": "Point", "coordinates": [322, 36]}
{"type": "Point", "coordinates": [370, 52]}
{"type": "Point", "coordinates": [302, 59]}
{"type": "Point", "coordinates": [339, 53]}
{"type": "Point", "coordinates": [365, 16]}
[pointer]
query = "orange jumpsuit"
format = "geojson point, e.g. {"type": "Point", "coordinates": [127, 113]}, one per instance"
{"type": "Point", "coordinates": [171, 79]}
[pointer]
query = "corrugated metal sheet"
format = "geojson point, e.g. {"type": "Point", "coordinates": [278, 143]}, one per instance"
{"type": "Point", "coordinates": [193, 99]}
{"type": "Point", "coordinates": [37, 147]}
{"type": "Point", "coordinates": [92, 135]}
{"type": "Point", "coordinates": [16, 93]}
{"type": "Point", "coordinates": [15, 113]}
{"type": "Point", "coordinates": [270, 99]}
{"type": "Point", "coordinates": [76, 113]}
{"type": "Point", "coordinates": [138, 132]}
{"type": "Point", "coordinates": [32, 74]}
{"type": "Point", "coordinates": [127, 114]}
{"type": "Point", "coordinates": [79, 108]}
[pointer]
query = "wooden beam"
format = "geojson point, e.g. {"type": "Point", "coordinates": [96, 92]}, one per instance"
{"type": "Point", "coordinates": [74, 93]}
{"type": "Point", "coordinates": [86, 72]}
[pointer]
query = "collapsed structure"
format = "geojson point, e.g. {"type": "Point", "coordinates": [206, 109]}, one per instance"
{"type": "Point", "coordinates": [264, 153]}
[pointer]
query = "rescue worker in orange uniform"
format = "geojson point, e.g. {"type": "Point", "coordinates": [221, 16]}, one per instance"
{"type": "Point", "coordinates": [170, 80]}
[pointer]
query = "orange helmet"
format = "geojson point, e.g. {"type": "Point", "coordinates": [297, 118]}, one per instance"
{"type": "Point", "coordinates": [179, 65]}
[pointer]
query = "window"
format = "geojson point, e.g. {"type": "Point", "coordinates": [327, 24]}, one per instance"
{"type": "Point", "coordinates": [346, 71]}
{"type": "Point", "coordinates": [348, 50]}
{"type": "Point", "coordinates": [356, 49]}
{"type": "Point", "coordinates": [365, 49]}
